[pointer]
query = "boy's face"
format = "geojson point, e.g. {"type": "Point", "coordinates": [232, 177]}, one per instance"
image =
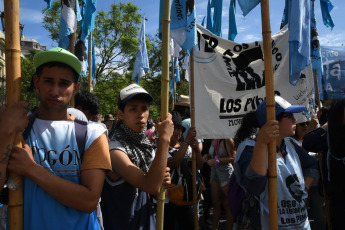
{"type": "Point", "coordinates": [55, 88]}
{"type": "Point", "coordinates": [135, 114]}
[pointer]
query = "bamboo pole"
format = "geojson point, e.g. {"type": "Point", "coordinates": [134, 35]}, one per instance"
{"type": "Point", "coordinates": [317, 89]}
{"type": "Point", "coordinates": [13, 89]}
{"type": "Point", "coordinates": [164, 97]}
{"type": "Point", "coordinates": [90, 63]}
{"type": "Point", "coordinates": [192, 115]}
{"type": "Point", "coordinates": [270, 105]}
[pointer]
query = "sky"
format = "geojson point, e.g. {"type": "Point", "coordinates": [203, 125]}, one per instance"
{"type": "Point", "coordinates": [249, 27]}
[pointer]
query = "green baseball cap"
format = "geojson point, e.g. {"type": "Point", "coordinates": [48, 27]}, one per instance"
{"type": "Point", "coordinates": [58, 55]}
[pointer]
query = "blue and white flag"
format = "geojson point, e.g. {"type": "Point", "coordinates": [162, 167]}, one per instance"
{"type": "Point", "coordinates": [70, 14]}
{"type": "Point", "coordinates": [232, 21]}
{"type": "Point", "coordinates": [177, 71]}
{"type": "Point", "coordinates": [248, 5]}
{"type": "Point", "coordinates": [49, 4]}
{"type": "Point", "coordinates": [141, 61]}
{"type": "Point", "coordinates": [209, 22]}
{"type": "Point", "coordinates": [81, 50]}
{"type": "Point", "coordinates": [299, 38]}
{"type": "Point", "coordinates": [316, 57]}
{"type": "Point", "coordinates": [333, 72]}
{"type": "Point", "coordinates": [89, 15]}
{"type": "Point", "coordinates": [183, 24]}
{"type": "Point", "coordinates": [326, 8]}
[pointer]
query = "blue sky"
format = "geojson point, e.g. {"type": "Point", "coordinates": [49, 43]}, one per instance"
{"type": "Point", "coordinates": [249, 27]}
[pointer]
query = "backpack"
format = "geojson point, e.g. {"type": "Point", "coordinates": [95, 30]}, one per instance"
{"type": "Point", "coordinates": [236, 195]}
{"type": "Point", "coordinates": [180, 191]}
{"type": "Point", "coordinates": [80, 134]}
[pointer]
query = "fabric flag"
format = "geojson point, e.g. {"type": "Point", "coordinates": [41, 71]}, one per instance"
{"type": "Point", "coordinates": [185, 66]}
{"type": "Point", "coordinates": [174, 49]}
{"type": "Point", "coordinates": [177, 71]}
{"type": "Point", "coordinates": [217, 17]}
{"type": "Point", "coordinates": [70, 14]}
{"type": "Point", "coordinates": [182, 28]}
{"type": "Point", "coordinates": [209, 22]}
{"type": "Point", "coordinates": [49, 4]}
{"type": "Point", "coordinates": [232, 21]}
{"type": "Point", "coordinates": [160, 19]}
{"type": "Point", "coordinates": [285, 18]}
{"type": "Point", "coordinates": [141, 61]}
{"type": "Point", "coordinates": [316, 57]}
{"type": "Point", "coordinates": [247, 5]}
{"type": "Point", "coordinates": [299, 38]}
{"type": "Point", "coordinates": [89, 15]}
{"type": "Point", "coordinates": [326, 8]}
{"type": "Point", "coordinates": [203, 21]}
{"type": "Point", "coordinates": [81, 51]}
{"type": "Point", "coordinates": [171, 87]}
{"type": "Point", "coordinates": [333, 72]}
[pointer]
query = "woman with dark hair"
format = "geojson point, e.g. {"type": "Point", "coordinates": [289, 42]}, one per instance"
{"type": "Point", "coordinates": [293, 163]}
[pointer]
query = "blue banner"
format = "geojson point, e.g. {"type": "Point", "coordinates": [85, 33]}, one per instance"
{"type": "Point", "coordinates": [333, 77]}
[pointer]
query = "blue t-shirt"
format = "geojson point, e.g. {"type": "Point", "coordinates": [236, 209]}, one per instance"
{"type": "Point", "coordinates": [55, 148]}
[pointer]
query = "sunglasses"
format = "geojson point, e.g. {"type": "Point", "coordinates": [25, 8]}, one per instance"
{"type": "Point", "coordinates": [303, 124]}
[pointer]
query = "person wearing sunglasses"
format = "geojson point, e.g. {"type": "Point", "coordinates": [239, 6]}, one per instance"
{"type": "Point", "coordinates": [295, 168]}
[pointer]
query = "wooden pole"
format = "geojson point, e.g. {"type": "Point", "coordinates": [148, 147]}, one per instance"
{"type": "Point", "coordinates": [90, 63]}
{"type": "Point", "coordinates": [270, 104]}
{"type": "Point", "coordinates": [317, 89]}
{"type": "Point", "coordinates": [164, 97]}
{"type": "Point", "coordinates": [192, 116]}
{"type": "Point", "coordinates": [13, 89]}
{"type": "Point", "coordinates": [174, 86]}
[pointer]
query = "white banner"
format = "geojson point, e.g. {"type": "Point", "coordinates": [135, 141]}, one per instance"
{"type": "Point", "coordinates": [229, 82]}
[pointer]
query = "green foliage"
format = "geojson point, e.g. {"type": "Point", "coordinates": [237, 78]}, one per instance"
{"type": "Point", "coordinates": [51, 20]}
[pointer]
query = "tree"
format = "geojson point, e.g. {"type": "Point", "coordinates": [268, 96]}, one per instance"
{"type": "Point", "coordinates": [115, 34]}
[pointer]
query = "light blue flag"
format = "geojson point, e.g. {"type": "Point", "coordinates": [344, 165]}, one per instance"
{"type": "Point", "coordinates": [326, 8]}
{"type": "Point", "coordinates": [81, 50]}
{"type": "Point", "coordinates": [49, 4]}
{"type": "Point", "coordinates": [217, 17]}
{"type": "Point", "coordinates": [89, 15]}
{"type": "Point", "coordinates": [70, 14]}
{"type": "Point", "coordinates": [247, 5]}
{"type": "Point", "coordinates": [209, 22]}
{"type": "Point", "coordinates": [203, 21]}
{"type": "Point", "coordinates": [299, 38]}
{"type": "Point", "coordinates": [315, 49]}
{"type": "Point", "coordinates": [93, 61]}
{"type": "Point", "coordinates": [160, 19]}
{"type": "Point", "coordinates": [141, 61]}
{"type": "Point", "coordinates": [232, 21]}
{"type": "Point", "coordinates": [171, 87]}
{"type": "Point", "coordinates": [285, 18]}
{"type": "Point", "coordinates": [177, 71]}
{"type": "Point", "coordinates": [183, 28]}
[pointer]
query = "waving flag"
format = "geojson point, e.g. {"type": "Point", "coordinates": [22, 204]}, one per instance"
{"type": "Point", "coordinates": [326, 8]}
{"type": "Point", "coordinates": [70, 14]}
{"type": "Point", "coordinates": [81, 51]}
{"type": "Point", "coordinates": [285, 18]}
{"type": "Point", "coordinates": [299, 38]}
{"type": "Point", "coordinates": [232, 21]}
{"type": "Point", "coordinates": [49, 4]}
{"type": "Point", "coordinates": [203, 21]}
{"type": "Point", "coordinates": [89, 15]}
{"type": "Point", "coordinates": [217, 17]}
{"type": "Point", "coordinates": [247, 5]}
{"type": "Point", "coordinates": [141, 61]}
{"type": "Point", "coordinates": [209, 22]}
{"type": "Point", "coordinates": [93, 65]}
{"type": "Point", "coordinates": [183, 28]}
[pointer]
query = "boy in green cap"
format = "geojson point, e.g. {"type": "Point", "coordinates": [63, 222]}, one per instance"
{"type": "Point", "coordinates": [63, 180]}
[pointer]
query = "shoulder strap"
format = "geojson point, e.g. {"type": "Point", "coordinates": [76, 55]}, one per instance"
{"type": "Point", "coordinates": [28, 128]}
{"type": "Point", "coordinates": [80, 134]}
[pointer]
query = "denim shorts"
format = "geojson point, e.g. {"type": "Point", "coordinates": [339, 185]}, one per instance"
{"type": "Point", "coordinates": [221, 173]}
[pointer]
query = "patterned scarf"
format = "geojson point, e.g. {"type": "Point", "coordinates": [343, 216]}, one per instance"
{"type": "Point", "coordinates": [137, 146]}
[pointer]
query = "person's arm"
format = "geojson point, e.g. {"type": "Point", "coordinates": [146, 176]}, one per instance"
{"type": "Point", "coordinates": [265, 136]}
{"type": "Point", "coordinates": [13, 119]}
{"type": "Point", "coordinates": [83, 196]}
{"type": "Point", "coordinates": [175, 160]}
{"type": "Point", "coordinates": [151, 181]}
{"type": "Point", "coordinates": [196, 150]}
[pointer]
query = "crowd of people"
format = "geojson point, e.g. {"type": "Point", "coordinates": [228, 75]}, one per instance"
{"type": "Point", "coordinates": [81, 173]}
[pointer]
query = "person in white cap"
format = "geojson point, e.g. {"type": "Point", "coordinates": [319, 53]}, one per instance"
{"type": "Point", "coordinates": [138, 172]}
{"type": "Point", "coordinates": [295, 168]}
{"type": "Point", "coordinates": [63, 180]}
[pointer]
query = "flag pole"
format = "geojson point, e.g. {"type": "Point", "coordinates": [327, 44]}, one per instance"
{"type": "Point", "coordinates": [317, 89]}
{"type": "Point", "coordinates": [164, 97]}
{"type": "Point", "coordinates": [270, 105]}
{"type": "Point", "coordinates": [174, 87]}
{"type": "Point", "coordinates": [192, 115]}
{"type": "Point", "coordinates": [13, 90]}
{"type": "Point", "coordinates": [90, 63]}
